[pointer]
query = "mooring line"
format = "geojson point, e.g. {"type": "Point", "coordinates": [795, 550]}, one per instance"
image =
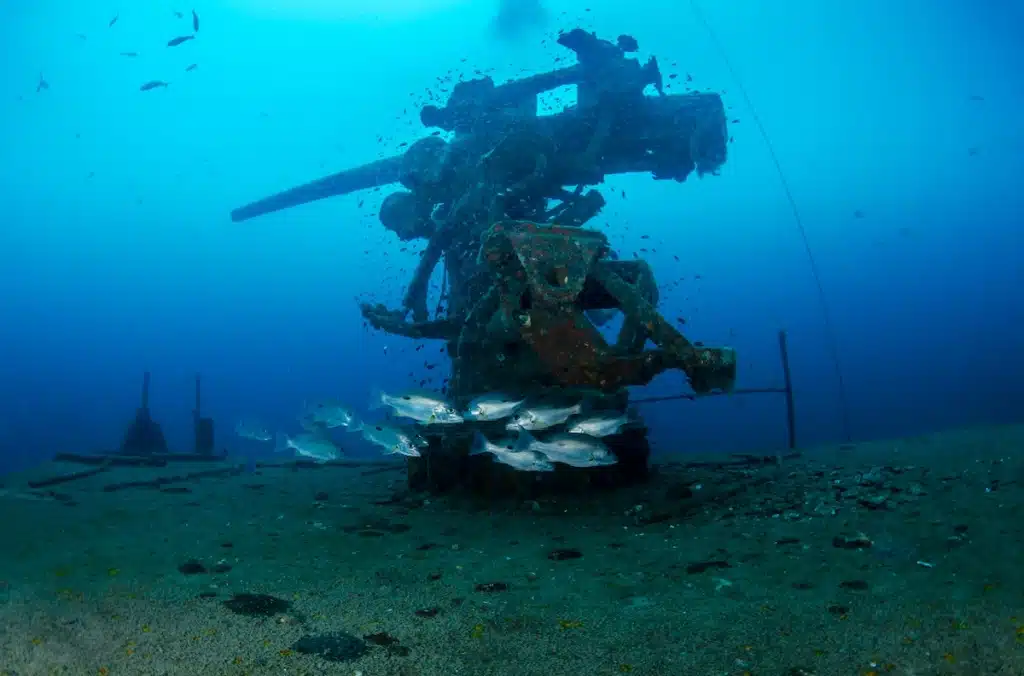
{"type": "Point", "coordinates": [830, 331]}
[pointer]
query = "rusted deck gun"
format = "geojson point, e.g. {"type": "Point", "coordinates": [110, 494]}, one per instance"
{"type": "Point", "coordinates": [668, 136]}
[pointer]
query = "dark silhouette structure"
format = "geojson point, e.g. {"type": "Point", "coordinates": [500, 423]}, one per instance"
{"type": "Point", "coordinates": [144, 435]}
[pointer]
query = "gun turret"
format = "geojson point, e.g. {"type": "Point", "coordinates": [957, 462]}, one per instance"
{"type": "Point", "coordinates": [603, 69]}
{"type": "Point", "coordinates": [614, 128]}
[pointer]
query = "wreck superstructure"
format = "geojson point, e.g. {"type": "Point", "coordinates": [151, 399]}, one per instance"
{"type": "Point", "coordinates": [502, 205]}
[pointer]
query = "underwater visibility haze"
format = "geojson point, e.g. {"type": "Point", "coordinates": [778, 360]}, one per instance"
{"type": "Point", "coordinates": [461, 297]}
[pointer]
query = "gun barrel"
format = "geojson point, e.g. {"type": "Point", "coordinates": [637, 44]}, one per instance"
{"type": "Point", "coordinates": [372, 175]}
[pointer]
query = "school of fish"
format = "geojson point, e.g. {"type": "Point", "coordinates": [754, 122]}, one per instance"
{"type": "Point", "coordinates": [568, 434]}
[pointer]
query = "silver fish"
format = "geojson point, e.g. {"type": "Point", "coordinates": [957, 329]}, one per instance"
{"type": "Point", "coordinates": [575, 450]}
{"type": "Point", "coordinates": [522, 460]}
{"type": "Point", "coordinates": [542, 417]}
{"type": "Point", "coordinates": [309, 445]}
{"type": "Point", "coordinates": [253, 429]}
{"type": "Point", "coordinates": [493, 406]}
{"type": "Point", "coordinates": [425, 408]}
{"type": "Point", "coordinates": [599, 424]}
{"type": "Point", "coordinates": [329, 414]}
{"type": "Point", "coordinates": [394, 440]}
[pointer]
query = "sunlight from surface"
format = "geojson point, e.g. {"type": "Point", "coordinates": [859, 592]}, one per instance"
{"type": "Point", "coordinates": [347, 10]}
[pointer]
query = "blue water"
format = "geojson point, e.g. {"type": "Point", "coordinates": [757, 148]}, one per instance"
{"type": "Point", "coordinates": [898, 131]}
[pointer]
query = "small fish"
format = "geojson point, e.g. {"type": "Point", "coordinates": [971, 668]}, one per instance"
{"type": "Point", "coordinates": [542, 417]}
{"type": "Point", "coordinates": [130, 54]}
{"type": "Point", "coordinates": [493, 406]}
{"type": "Point", "coordinates": [575, 450]}
{"type": "Point", "coordinates": [253, 429]}
{"type": "Point", "coordinates": [523, 460]}
{"type": "Point", "coordinates": [191, 66]}
{"type": "Point", "coordinates": [113, 21]}
{"type": "Point", "coordinates": [425, 408]}
{"type": "Point", "coordinates": [329, 414]}
{"type": "Point", "coordinates": [195, 22]}
{"type": "Point", "coordinates": [178, 15]}
{"type": "Point", "coordinates": [309, 445]}
{"type": "Point", "coordinates": [153, 84]}
{"type": "Point", "coordinates": [43, 84]}
{"type": "Point", "coordinates": [394, 440]}
{"type": "Point", "coordinates": [599, 424]}
{"type": "Point", "coordinates": [178, 40]}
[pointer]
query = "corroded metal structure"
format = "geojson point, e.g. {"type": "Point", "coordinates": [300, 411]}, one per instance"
{"type": "Point", "coordinates": [503, 204]}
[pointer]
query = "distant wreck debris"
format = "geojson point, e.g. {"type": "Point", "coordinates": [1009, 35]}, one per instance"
{"type": "Point", "coordinates": [144, 436]}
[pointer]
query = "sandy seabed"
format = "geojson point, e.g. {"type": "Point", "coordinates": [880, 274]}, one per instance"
{"type": "Point", "coordinates": [901, 557]}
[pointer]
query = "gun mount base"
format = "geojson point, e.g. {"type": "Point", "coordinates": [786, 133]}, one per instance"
{"type": "Point", "coordinates": [547, 276]}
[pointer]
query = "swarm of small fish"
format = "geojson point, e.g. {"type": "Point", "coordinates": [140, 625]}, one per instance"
{"type": "Point", "coordinates": [577, 443]}
{"type": "Point", "coordinates": [315, 441]}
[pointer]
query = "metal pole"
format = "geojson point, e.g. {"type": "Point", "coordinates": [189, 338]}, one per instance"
{"type": "Point", "coordinates": [145, 391]}
{"type": "Point", "coordinates": [196, 413]}
{"type": "Point", "coordinates": [788, 390]}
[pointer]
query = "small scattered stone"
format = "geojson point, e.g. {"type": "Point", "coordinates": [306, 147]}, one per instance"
{"type": "Point", "coordinates": [856, 585]}
{"type": "Point", "coordinates": [787, 541]}
{"type": "Point", "coordinates": [428, 612]}
{"type": "Point", "coordinates": [192, 567]}
{"type": "Point", "coordinates": [803, 586]}
{"type": "Point", "coordinates": [222, 568]}
{"type": "Point", "coordinates": [564, 554]}
{"type": "Point", "coordinates": [856, 541]}
{"type": "Point", "coordinates": [877, 501]}
{"type": "Point", "coordinates": [426, 546]}
{"type": "Point", "coordinates": [321, 497]}
{"type": "Point", "coordinates": [377, 528]}
{"type": "Point", "coordinates": [872, 477]}
{"type": "Point", "coordinates": [337, 647]}
{"type": "Point", "coordinates": [227, 545]}
{"type": "Point", "coordinates": [702, 566]}
{"type": "Point", "coordinates": [652, 518]}
{"type": "Point", "coordinates": [434, 577]}
{"type": "Point", "coordinates": [837, 609]}
{"type": "Point", "coordinates": [388, 642]}
{"type": "Point", "coordinates": [257, 605]}
{"type": "Point", "coordinates": [207, 594]}
{"type": "Point", "coordinates": [917, 490]}
{"type": "Point", "coordinates": [489, 587]}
